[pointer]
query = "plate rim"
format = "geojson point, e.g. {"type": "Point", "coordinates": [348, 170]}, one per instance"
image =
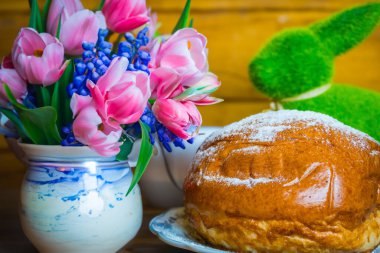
{"type": "Point", "coordinates": [180, 244]}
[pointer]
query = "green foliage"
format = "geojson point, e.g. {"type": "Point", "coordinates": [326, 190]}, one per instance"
{"type": "Point", "coordinates": [64, 81]}
{"type": "Point", "coordinates": [196, 91]}
{"type": "Point", "coordinates": [59, 27]}
{"type": "Point", "coordinates": [146, 152]}
{"type": "Point", "coordinates": [45, 13]}
{"type": "Point", "coordinates": [184, 18]}
{"type": "Point", "coordinates": [125, 150]}
{"type": "Point", "coordinates": [42, 95]}
{"type": "Point", "coordinates": [35, 20]}
{"type": "Point", "coordinates": [13, 117]}
{"type": "Point", "coordinates": [101, 4]}
{"type": "Point", "coordinates": [60, 100]}
{"type": "Point", "coordinates": [293, 62]}
{"type": "Point", "coordinates": [348, 28]}
{"type": "Point", "coordinates": [356, 107]}
{"type": "Point", "coordinates": [38, 124]}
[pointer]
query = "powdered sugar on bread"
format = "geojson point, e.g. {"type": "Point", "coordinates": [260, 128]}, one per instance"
{"type": "Point", "coordinates": [266, 126]}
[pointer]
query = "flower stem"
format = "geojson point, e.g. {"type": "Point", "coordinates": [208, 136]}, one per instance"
{"type": "Point", "coordinates": [43, 96]}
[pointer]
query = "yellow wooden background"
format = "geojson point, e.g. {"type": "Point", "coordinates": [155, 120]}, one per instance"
{"type": "Point", "coordinates": [236, 29]}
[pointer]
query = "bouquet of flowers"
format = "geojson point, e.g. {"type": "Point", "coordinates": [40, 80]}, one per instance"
{"type": "Point", "coordinates": [105, 79]}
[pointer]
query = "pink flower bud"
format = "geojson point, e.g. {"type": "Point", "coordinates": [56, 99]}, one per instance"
{"type": "Point", "coordinates": [182, 118]}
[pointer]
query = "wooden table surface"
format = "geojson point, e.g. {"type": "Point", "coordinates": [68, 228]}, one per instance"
{"type": "Point", "coordinates": [12, 239]}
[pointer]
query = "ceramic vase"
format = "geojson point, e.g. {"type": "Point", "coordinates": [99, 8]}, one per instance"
{"type": "Point", "coordinates": [73, 201]}
{"type": "Point", "coordinates": [162, 182]}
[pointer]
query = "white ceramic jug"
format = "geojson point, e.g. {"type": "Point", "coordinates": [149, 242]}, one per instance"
{"type": "Point", "coordinates": [162, 182]}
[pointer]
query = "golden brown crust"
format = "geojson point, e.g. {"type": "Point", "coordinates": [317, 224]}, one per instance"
{"type": "Point", "coordinates": [249, 235]}
{"type": "Point", "coordinates": [314, 172]}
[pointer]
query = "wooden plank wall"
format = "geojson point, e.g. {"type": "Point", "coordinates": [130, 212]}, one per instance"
{"type": "Point", "coordinates": [236, 29]}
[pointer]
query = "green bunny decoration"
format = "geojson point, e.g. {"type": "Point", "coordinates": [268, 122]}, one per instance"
{"type": "Point", "coordinates": [296, 67]}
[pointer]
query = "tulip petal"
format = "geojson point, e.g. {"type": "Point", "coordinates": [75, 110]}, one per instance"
{"type": "Point", "coordinates": [131, 23]}
{"type": "Point", "coordinates": [126, 15]}
{"type": "Point", "coordinates": [79, 102]}
{"type": "Point", "coordinates": [101, 20]}
{"type": "Point", "coordinates": [165, 83]}
{"type": "Point", "coordinates": [208, 101]}
{"type": "Point", "coordinates": [86, 130]}
{"type": "Point", "coordinates": [53, 55]}
{"type": "Point", "coordinates": [61, 9]}
{"type": "Point", "coordinates": [48, 39]}
{"type": "Point", "coordinates": [14, 82]}
{"type": "Point", "coordinates": [30, 41]}
{"type": "Point", "coordinates": [130, 113]}
{"type": "Point", "coordinates": [79, 27]}
{"type": "Point", "coordinates": [54, 75]}
{"type": "Point", "coordinates": [113, 75]}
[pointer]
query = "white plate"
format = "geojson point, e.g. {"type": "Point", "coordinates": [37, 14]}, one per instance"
{"type": "Point", "coordinates": [171, 227]}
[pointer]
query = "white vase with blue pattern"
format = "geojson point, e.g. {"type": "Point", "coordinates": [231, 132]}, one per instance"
{"type": "Point", "coordinates": [74, 201]}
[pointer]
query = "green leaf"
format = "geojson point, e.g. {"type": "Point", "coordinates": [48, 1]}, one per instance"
{"type": "Point", "coordinates": [42, 96]}
{"type": "Point", "coordinates": [60, 100]}
{"type": "Point", "coordinates": [12, 98]}
{"type": "Point", "coordinates": [101, 4]}
{"type": "Point", "coordinates": [39, 124]}
{"type": "Point", "coordinates": [15, 120]}
{"type": "Point", "coordinates": [35, 16]}
{"type": "Point", "coordinates": [125, 150]}
{"type": "Point", "coordinates": [191, 23]}
{"type": "Point", "coordinates": [59, 27]}
{"type": "Point", "coordinates": [184, 18]}
{"type": "Point", "coordinates": [55, 103]}
{"type": "Point", "coordinates": [64, 99]}
{"type": "Point", "coordinates": [196, 90]}
{"type": "Point", "coordinates": [146, 152]}
{"type": "Point", "coordinates": [45, 13]}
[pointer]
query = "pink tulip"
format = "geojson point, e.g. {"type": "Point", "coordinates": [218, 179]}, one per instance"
{"type": "Point", "coordinates": [185, 52]}
{"type": "Point", "coordinates": [202, 90]}
{"type": "Point", "coordinates": [90, 130]}
{"type": "Point", "coordinates": [165, 83]}
{"type": "Point", "coordinates": [125, 15]}
{"type": "Point", "coordinates": [77, 24]}
{"type": "Point", "coordinates": [181, 118]}
{"type": "Point", "coordinates": [15, 83]}
{"type": "Point", "coordinates": [38, 58]}
{"type": "Point", "coordinates": [120, 96]}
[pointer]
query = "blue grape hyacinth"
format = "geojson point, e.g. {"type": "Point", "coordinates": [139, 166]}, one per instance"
{"type": "Point", "coordinates": [97, 57]}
